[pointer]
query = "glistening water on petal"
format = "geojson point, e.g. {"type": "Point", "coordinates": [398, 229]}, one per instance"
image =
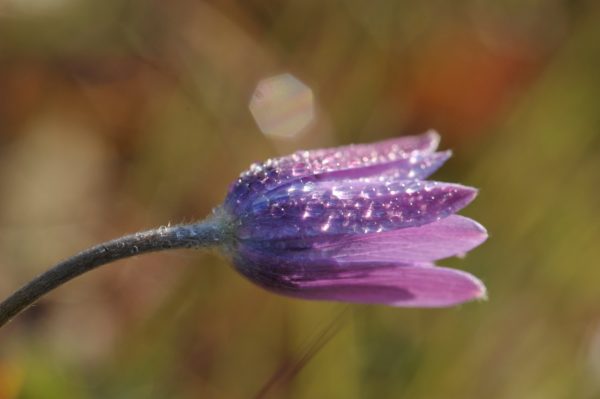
{"type": "Point", "coordinates": [355, 206]}
{"type": "Point", "coordinates": [409, 157]}
{"type": "Point", "coordinates": [357, 224]}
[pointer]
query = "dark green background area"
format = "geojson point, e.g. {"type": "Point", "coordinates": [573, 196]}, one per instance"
{"type": "Point", "coordinates": [118, 116]}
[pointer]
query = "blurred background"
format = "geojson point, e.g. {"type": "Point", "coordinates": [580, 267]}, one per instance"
{"type": "Point", "coordinates": [118, 116]}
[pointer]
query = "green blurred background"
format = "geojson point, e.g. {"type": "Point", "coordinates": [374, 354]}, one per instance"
{"type": "Point", "coordinates": [117, 116]}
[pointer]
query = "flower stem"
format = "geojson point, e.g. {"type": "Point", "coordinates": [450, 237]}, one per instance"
{"type": "Point", "coordinates": [201, 234]}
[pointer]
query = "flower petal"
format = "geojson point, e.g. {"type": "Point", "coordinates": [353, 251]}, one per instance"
{"type": "Point", "coordinates": [409, 157]}
{"type": "Point", "coordinates": [358, 155]}
{"type": "Point", "coordinates": [405, 286]}
{"type": "Point", "coordinates": [410, 285]}
{"type": "Point", "coordinates": [411, 149]}
{"type": "Point", "coordinates": [357, 206]}
{"type": "Point", "coordinates": [415, 166]}
{"type": "Point", "coordinates": [451, 236]}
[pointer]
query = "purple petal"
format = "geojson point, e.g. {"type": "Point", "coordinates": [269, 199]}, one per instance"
{"type": "Point", "coordinates": [415, 166]}
{"type": "Point", "coordinates": [426, 142]}
{"type": "Point", "coordinates": [359, 155]}
{"type": "Point", "coordinates": [406, 286]}
{"type": "Point", "coordinates": [359, 206]}
{"type": "Point", "coordinates": [409, 157]}
{"type": "Point", "coordinates": [410, 285]}
{"type": "Point", "coordinates": [356, 156]}
{"type": "Point", "coordinates": [451, 236]}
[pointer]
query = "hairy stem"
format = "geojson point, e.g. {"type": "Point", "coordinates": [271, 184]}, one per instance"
{"type": "Point", "coordinates": [196, 235]}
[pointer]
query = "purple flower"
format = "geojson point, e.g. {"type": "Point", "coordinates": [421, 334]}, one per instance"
{"type": "Point", "coordinates": [356, 224]}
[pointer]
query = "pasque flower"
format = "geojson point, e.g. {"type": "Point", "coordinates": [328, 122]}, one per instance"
{"type": "Point", "coordinates": [356, 223]}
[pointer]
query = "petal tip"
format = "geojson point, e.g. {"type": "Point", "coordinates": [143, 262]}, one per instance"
{"type": "Point", "coordinates": [480, 293]}
{"type": "Point", "coordinates": [474, 191]}
{"type": "Point", "coordinates": [460, 195]}
{"type": "Point", "coordinates": [440, 157]}
{"type": "Point", "coordinates": [434, 138]}
{"type": "Point", "coordinates": [481, 229]}
{"type": "Point", "coordinates": [477, 291]}
{"type": "Point", "coordinates": [467, 194]}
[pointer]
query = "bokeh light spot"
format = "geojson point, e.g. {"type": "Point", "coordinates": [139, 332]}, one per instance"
{"type": "Point", "coordinates": [282, 106]}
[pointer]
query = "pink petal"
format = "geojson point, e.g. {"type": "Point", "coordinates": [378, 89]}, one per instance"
{"type": "Point", "coordinates": [397, 284]}
{"type": "Point", "coordinates": [404, 286]}
{"type": "Point", "coordinates": [454, 235]}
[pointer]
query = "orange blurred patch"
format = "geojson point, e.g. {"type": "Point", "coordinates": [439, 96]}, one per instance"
{"type": "Point", "coordinates": [22, 85]}
{"type": "Point", "coordinates": [11, 380]}
{"type": "Point", "coordinates": [460, 84]}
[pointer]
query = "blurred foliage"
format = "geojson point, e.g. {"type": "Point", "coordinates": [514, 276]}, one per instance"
{"type": "Point", "coordinates": [116, 116]}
